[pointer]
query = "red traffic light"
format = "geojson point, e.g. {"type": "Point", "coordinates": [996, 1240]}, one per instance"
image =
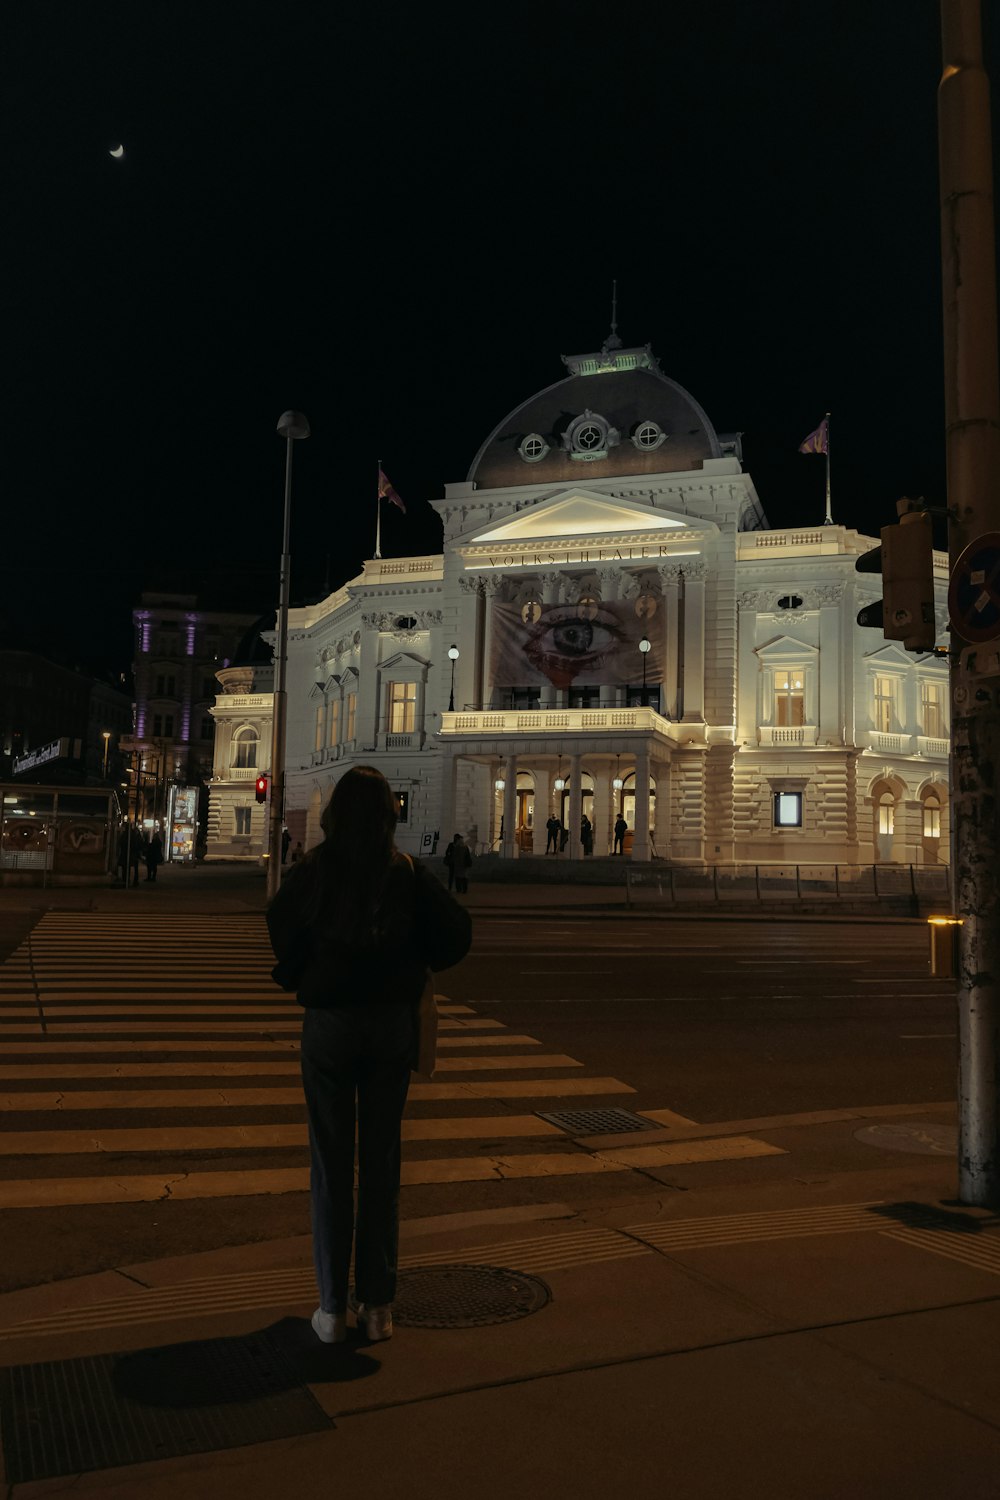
{"type": "Point", "coordinates": [261, 788]}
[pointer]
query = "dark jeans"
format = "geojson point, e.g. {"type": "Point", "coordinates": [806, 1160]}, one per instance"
{"type": "Point", "coordinates": [356, 1057]}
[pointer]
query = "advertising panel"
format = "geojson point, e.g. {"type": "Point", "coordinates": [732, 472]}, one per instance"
{"type": "Point", "coordinates": [590, 642]}
{"type": "Point", "coordinates": [183, 822]}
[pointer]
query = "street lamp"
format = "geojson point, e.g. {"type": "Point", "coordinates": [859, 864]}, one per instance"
{"type": "Point", "coordinates": [645, 646]}
{"type": "Point", "coordinates": [105, 736]}
{"type": "Point", "coordinates": [291, 425]}
{"type": "Point", "coordinates": [453, 658]}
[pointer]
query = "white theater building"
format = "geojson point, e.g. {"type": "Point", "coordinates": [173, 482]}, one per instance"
{"type": "Point", "coordinates": [606, 534]}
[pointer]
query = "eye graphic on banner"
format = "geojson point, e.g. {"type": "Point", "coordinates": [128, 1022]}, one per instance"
{"type": "Point", "coordinates": [587, 642]}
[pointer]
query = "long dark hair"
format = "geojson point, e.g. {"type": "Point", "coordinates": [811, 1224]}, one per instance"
{"type": "Point", "coordinates": [359, 822]}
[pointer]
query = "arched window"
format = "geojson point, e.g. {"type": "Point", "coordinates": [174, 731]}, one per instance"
{"type": "Point", "coordinates": [886, 813]}
{"type": "Point", "coordinates": [932, 818]}
{"type": "Point", "coordinates": [245, 744]}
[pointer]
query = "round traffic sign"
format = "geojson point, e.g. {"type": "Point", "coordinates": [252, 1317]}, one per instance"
{"type": "Point", "coordinates": [974, 590]}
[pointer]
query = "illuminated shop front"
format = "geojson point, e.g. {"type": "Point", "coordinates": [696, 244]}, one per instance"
{"type": "Point", "coordinates": [611, 629]}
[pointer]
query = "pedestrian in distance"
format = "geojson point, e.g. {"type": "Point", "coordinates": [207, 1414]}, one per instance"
{"type": "Point", "coordinates": [286, 839]}
{"type": "Point", "coordinates": [553, 828]}
{"type": "Point", "coordinates": [152, 853]}
{"type": "Point", "coordinates": [449, 862]}
{"type": "Point", "coordinates": [298, 853]}
{"type": "Point", "coordinates": [586, 835]}
{"type": "Point", "coordinates": [461, 862]}
{"type": "Point", "coordinates": [621, 829]}
{"type": "Point", "coordinates": [355, 927]}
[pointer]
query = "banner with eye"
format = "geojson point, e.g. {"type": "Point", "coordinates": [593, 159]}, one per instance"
{"type": "Point", "coordinates": [588, 643]}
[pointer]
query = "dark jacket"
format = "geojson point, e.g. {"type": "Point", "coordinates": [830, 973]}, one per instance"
{"type": "Point", "coordinates": [418, 926]}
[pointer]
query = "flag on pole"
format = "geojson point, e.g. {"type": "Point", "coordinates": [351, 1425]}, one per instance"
{"type": "Point", "coordinates": [818, 441]}
{"type": "Point", "coordinates": [386, 492]}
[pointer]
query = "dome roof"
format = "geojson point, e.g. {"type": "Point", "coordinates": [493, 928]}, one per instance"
{"type": "Point", "coordinates": [252, 651]}
{"type": "Point", "coordinates": [615, 413]}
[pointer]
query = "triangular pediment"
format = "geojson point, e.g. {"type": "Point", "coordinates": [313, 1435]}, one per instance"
{"type": "Point", "coordinates": [890, 655]}
{"type": "Point", "coordinates": [579, 513]}
{"type": "Point", "coordinates": [785, 646]}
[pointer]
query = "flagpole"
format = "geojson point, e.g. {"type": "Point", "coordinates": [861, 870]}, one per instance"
{"type": "Point", "coordinates": [378, 511]}
{"type": "Point", "coordinates": [829, 513]}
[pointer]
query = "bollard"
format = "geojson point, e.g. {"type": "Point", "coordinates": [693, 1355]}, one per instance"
{"type": "Point", "coordinates": [944, 946]}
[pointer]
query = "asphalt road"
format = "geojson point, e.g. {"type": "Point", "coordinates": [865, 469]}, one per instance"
{"type": "Point", "coordinates": [707, 1020]}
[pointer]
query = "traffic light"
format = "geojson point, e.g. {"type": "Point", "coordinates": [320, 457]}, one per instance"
{"type": "Point", "coordinates": [261, 788]}
{"type": "Point", "coordinates": [906, 561]}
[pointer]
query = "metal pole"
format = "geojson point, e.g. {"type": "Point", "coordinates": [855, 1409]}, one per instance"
{"type": "Point", "coordinates": [276, 810]}
{"type": "Point", "coordinates": [972, 451]}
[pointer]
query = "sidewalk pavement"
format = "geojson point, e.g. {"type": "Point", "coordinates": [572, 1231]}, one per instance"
{"type": "Point", "coordinates": [833, 1338]}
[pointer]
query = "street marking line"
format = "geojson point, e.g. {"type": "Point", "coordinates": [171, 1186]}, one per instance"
{"type": "Point", "coordinates": [805, 1117]}
{"type": "Point", "coordinates": [980, 1251]}
{"type": "Point", "coordinates": [493, 1064]}
{"type": "Point", "coordinates": [731, 1229]}
{"type": "Point", "coordinates": [44, 1071]}
{"type": "Point", "coordinates": [250, 1137]}
{"type": "Point", "coordinates": [521, 1088]}
{"type": "Point", "coordinates": [99, 1028]}
{"type": "Point", "coordinates": [666, 1117]}
{"type": "Point", "coordinates": [61, 1191]}
{"type": "Point", "coordinates": [52, 1045]}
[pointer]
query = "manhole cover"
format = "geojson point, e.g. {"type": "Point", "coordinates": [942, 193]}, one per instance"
{"type": "Point", "coordinates": [465, 1296]}
{"type": "Point", "coordinates": [911, 1135]}
{"type": "Point", "coordinates": [597, 1121]}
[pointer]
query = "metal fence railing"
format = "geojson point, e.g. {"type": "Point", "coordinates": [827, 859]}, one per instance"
{"type": "Point", "coordinates": [721, 883]}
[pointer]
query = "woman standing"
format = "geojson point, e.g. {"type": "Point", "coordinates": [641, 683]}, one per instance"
{"type": "Point", "coordinates": [359, 925]}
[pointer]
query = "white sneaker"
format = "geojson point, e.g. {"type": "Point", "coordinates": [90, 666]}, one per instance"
{"type": "Point", "coordinates": [374, 1322]}
{"type": "Point", "coordinates": [330, 1327]}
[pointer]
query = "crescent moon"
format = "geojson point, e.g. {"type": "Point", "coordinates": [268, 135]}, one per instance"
{"type": "Point", "coordinates": [118, 151]}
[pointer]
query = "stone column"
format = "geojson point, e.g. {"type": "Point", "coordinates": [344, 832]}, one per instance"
{"type": "Point", "coordinates": [611, 579]}
{"type": "Point", "coordinates": [602, 810]}
{"type": "Point", "coordinates": [830, 716]}
{"type": "Point", "coordinates": [510, 849]}
{"type": "Point", "coordinates": [491, 588]}
{"type": "Point", "coordinates": [640, 839]}
{"type": "Point", "coordinates": [551, 594]}
{"type": "Point", "coordinates": [573, 848]}
{"type": "Point", "coordinates": [694, 644]}
{"type": "Point", "coordinates": [670, 581]}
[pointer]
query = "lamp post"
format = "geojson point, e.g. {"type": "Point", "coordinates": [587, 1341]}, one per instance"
{"type": "Point", "coordinates": [105, 736]}
{"type": "Point", "coordinates": [645, 646]}
{"type": "Point", "coordinates": [291, 425]}
{"type": "Point", "coordinates": [453, 658]}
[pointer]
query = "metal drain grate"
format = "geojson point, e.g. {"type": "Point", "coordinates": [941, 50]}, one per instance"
{"type": "Point", "coordinates": [73, 1415]}
{"type": "Point", "coordinates": [466, 1296]}
{"type": "Point", "coordinates": [598, 1121]}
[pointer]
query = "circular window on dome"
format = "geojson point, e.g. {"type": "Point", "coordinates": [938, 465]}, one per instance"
{"type": "Point", "coordinates": [647, 436]}
{"type": "Point", "coordinates": [533, 448]}
{"type": "Point", "coordinates": [589, 437]}
{"type": "Point", "coordinates": [531, 611]}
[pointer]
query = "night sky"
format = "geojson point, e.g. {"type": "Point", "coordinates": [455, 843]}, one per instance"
{"type": "Point", "coordinates": [396, 221]}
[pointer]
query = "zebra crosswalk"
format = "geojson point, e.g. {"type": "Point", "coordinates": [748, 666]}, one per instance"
{"type": "Point", "coordinates": [141, 1040]}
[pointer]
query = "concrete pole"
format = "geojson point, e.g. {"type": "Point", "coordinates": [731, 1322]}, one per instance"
{"type": "Point", "coordinates": [276, 810]}
{"type": "Point", "coordinates": [972, 434]}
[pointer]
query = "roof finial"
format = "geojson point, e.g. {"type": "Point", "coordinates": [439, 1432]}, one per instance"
{"type": "Point", "coordinates": [613, 341]}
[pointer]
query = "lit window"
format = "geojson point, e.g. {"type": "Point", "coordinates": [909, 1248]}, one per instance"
{"type": "Point", "coordinates": [932, 818]}
{"type": "Point", "coordinates": [352, 707]}
{"type": "Point", "coordinates": [932, 709]}
{"type": "Point", "coordinates": [788, 809]}
{"type": "Point", "coordinates": [886, 813]}
{"type": "Point", "coordinates": [333, 723]}
{"type": "Point", "coordinates": [789, 698]}
{"type": "Point", "coordinates": [402, 707]}
{"type": "Point", "coordinates": [245, 748]}
{"type": "Point", "coordinates": [885, 704]}
{"type": "Point", "coordinates": [318, 735]}
{"type": "Point", "coordinates": [242, 821]}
